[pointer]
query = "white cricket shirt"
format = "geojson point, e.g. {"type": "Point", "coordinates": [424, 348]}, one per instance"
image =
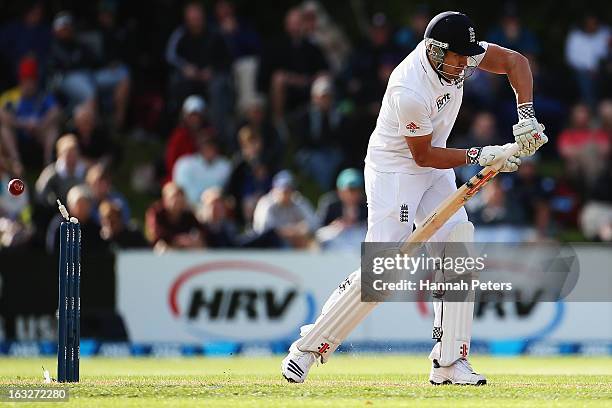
{"type": "Point", "coordinates": [416, 103]}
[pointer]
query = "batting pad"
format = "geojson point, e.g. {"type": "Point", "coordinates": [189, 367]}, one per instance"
{"type": "Point", "coordinates": [453, 320]}
{"type": "Point", "coordinates": [342, 312]}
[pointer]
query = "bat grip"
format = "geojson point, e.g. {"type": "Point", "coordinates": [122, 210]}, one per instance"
{"type": "Point", "coordinates": [512, 150]}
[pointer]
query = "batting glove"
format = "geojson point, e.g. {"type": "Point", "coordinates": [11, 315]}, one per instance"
{"type": "Point", "coordinates": [491, 155]}
{"type": "Point", "coordinates": [528, 133]}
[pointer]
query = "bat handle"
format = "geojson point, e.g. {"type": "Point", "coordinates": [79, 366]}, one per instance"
{"type": "Point", "coordinates": [512, 150]}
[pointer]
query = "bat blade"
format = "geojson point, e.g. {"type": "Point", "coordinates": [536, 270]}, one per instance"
{"type": "Point", "coordinates": [452, 204]}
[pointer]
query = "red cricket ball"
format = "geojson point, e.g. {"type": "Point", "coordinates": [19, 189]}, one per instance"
{"type": "Point", "coordinates": [16, 187]}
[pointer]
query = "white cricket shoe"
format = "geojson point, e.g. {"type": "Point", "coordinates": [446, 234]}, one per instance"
{"type": "Point", "coordinates": [296, 365]}
{"type": "Point", "coordinates": [460, 372]}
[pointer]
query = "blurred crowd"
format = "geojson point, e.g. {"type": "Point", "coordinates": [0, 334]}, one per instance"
{"type": "Point", "coordinates": [264, 137]}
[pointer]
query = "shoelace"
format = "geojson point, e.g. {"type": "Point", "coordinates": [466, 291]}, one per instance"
{"type": "Point", "coordinates": [467, 365]}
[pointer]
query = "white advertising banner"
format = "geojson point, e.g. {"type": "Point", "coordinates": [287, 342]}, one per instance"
{"type": "Point", "coordinates": [265, 296]}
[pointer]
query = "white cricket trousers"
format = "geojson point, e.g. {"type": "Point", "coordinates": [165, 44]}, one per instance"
{"type": "Point", "coordinates": [397, 200]}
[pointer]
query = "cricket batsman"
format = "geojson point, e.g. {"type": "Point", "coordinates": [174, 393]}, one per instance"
{"type": "Point", "coordinates": [409, 172]}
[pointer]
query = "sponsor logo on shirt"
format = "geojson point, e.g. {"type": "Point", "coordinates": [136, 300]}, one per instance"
{"type": "Point", "coordinates": [412, 127]}
{"type": "Point", "coordinates": [442, 100]}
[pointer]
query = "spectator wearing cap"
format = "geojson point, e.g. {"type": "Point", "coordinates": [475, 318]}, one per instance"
{"type": "Point", "coordinates": [115, 231]}
{"type": "Point", "coordinates": [343, 213]}
{"type": "Point", "coordinates": [100, 183]}
{"type": "Point", "coordinates": [184, 137]}
{"type": "Point", "coordinates": [79, 202]}
{"type": "Point", "coordinates": [586, 46]}
{"type": "Point", "coordinates": [170, 223]}
{"type": "Point", "coordinates": [30, 35]}
{"type": "Point", "coordinates": [29, 116]}
{"type": "Point", "coordinates": [319, 130]}
{"type": "Point", "coordinates": [289, 66]}
{"type": "Point", "coordinates": [251, 174]}
{"type": "Point", "coordinates": [199, 171]}
{"type": "Point", "coordinates": [63, 174]}
{"type": "Point", "coordinates": [347, 204]}
{"type": "Point", "coordinates": [287, 212]}
{"type": "Point", "coordinates": [71, 63]}
{"type": "Point", "coordinates": [201, 63]}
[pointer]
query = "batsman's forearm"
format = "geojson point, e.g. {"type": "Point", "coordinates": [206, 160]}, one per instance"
{"type": "Point", "coordinates": [442, 158]}
{"type": "Point", "coordinates": [520, 77]}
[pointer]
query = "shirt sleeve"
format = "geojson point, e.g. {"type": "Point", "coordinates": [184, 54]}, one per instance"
{"type": "Point", "coordinates": [262, 221]}
{"type": "Point", "coordinates": [412, 114]}
{"type": "Point", "coordinates": [479, 57]}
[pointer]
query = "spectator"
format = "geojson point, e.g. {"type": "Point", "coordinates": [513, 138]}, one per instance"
{"type": "Point", "coordinates": [30, 35]}
{"type": "Point", "coordinates": [170, 223]}
{"type": "Point", "coordinates": [483, 132]}
{"type": "Point", "coordinates": [533, 193]}
{"type": "Point", "coordinates": [367, 59]}
{"type": "Point", "coordinates": [59, 177]}
{"type": "Point", "coordinates": [496, 215]}
{"type": "Point", "coordinates": [407, 38]}
{"type": "Point", "coordinates": [343, 213]}
{"type": "Point", "coordinates": [347, 204]}
{"type": "Point", "coordinates": [287, 212]}
{"type": "Point", "coordinates": [15, 212]}
{"type": "Point", "coordinates": [319, 130]}
{"type": "Point", "coordinates": [596, 216]}
{"type": "Point", "coordinates": [100, 183]}
{"type": "Point", "coordinates": [510, 33]}
{"type": "Point", "coordinates": [79, 203]}
{"type": "Point", "coordinates": [251, 175]}
{"type": "Point", "coordinates": [115, 232]}
{"type": "Point", "coordinates": [584, 149]}
{"type": "Point", "coordinates": [605, 116]}
{"type": "Point", "coordinates": [201, 62]}
{"type": "Point", "coordinates": [320, 29]}
{"type": "Point", "coordinates": [29, 116]}
{"type": "Point", "coordinates": [94, 141]}
{"type": "Point", "coordinates": [289, 66]}
{"type": "Point", "coordinates": [183, 139]}
{"type": "Point", "coordinates": [112, 76]}
{"type": "Point", "coordinates": [71, 63]}
{"type": "Point", "coordinates": [254, 112]}
{"type": "Point", "coordinates": [585, 48]}
{"type": "Point", "coordinates": [220, 230]}
{"type": "Point", "coordinates": [241, 40]}
{"type": "Point", "coordinates": [200, 171]}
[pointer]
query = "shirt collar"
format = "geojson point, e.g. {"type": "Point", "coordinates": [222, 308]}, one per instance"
{"type": "Point", "coordinates": [431, 73]}
{"type": "Point", "coordinates": [433, 76]}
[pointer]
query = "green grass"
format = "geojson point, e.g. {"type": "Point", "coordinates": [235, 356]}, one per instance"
{"type": "Point", "coordinates": [361, 381]}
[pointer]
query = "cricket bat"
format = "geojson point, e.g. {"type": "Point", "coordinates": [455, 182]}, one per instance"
{"type": "Point", "coordinates": [451, 205]}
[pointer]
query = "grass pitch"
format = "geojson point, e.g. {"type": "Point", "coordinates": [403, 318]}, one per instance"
{"type": "Point", "coordinates": [360, 381]}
